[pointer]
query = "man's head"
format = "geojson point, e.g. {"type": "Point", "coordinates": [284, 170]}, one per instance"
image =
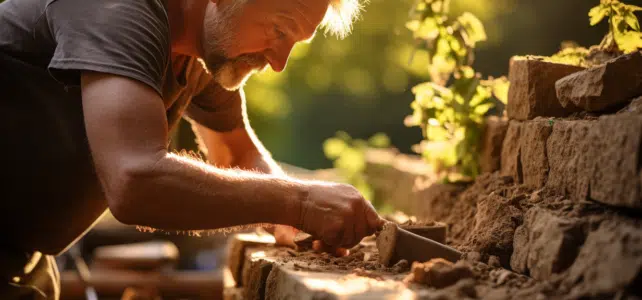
{"type": "Point", "coordinates": [241, 37]}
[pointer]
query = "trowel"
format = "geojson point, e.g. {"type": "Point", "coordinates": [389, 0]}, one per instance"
{"type": "Point", "coordinates": [395, 243]}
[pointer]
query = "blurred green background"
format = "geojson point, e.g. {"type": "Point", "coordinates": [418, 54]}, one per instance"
{"type": "Point", "coordinates": [362, 84]}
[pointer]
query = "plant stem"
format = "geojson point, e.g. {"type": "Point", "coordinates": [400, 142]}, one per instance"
{"type": "Point", "coordinates": [612, 29]}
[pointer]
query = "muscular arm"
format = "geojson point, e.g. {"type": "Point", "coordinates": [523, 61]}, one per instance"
{"type": "Point", "coordinates": [146, 185]}
{"type": "Point", "coordinates": [241, 148]}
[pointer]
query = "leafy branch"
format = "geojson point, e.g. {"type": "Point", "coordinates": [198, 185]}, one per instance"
{"type": "Point", "coordinates": [624, 27]}
{"type": "Point", "coordinates": [451, 107]}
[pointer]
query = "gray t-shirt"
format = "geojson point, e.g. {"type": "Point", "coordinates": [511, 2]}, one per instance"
{"type": "Point", "coordinates": [44, 47]}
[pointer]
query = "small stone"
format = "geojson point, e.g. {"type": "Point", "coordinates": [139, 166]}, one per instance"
{"type": "Point", "coordinates": [402, 264]}
{"type": "Point", "coordinates": [472, 257]}
{"type": "Point", "coordinates": [504, 276]}
{"type": "Point", "coordinates": [494, 262]}
{"type": "Point", "coordinates": [440, 273]}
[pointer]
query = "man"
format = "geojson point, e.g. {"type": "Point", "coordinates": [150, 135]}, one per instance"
{"type": "Point", "coordinates": [90, 90]}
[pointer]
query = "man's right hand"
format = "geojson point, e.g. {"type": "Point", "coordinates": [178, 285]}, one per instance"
{"type": "Point", "coordinates": [338, 215]}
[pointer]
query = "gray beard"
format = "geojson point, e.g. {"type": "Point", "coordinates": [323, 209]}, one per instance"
{"type": "Point", "coordinates": [230, 73]}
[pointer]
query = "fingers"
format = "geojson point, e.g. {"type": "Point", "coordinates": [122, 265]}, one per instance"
{"type": "Point", "coordinates": [320, 246]}
{"type": "Point", "coordinates": [284, 235]}
{"type": "Point", "coordinates": [334, 230]}
{"type": "Point", "coordinates": [374, 221]}
{"type": "Point", "coordinates": [361, 224]}
{"type": "Point", "coordinates": [348, 235]}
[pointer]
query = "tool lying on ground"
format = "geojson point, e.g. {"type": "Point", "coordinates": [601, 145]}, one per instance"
{"type": "Point", "coordinates": [395, 244]}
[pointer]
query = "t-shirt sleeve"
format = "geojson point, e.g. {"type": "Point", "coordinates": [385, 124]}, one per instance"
{"type": "Point", "coordinates": [122, 37]}
{"type": "Point", "coordinates": [217, 108]}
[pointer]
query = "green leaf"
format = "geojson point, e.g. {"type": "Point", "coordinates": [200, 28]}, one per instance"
{"type": "Point", "coordinates": [437, 133]}
{"type": "Point", "coordinates": [333, 147]}
{"type": "Point", "coordinates": [427, 29]}
{"type": "Point", "coordinates": [632, 21]}
{"type": "Point", "coordinates": [379, 140]}
{"type": "Point", "coordinates": [474, 28]}
{"type": "Point", "coordinates": [352, 161]}
{"type": "Point", "coordinates": [500, 88]}
{"type": "Point", "coordinates": [344, 136]}
{"type": "Point", "coordinates": [629, 41]}
{"type": "Point", "coordinates": [632, 8]}
{"type": "Point", "coordinates": [598, 13]}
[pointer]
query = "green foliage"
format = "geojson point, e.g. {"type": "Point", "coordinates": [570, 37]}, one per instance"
{"type": "Point", "coordinates": [451, 107]}
{"type": "Point", "coordinates": [624, 27]}
{"type": "Point", "coordinates": [349, 158]}
{"type": "Point", "coordinates": [570, 55]}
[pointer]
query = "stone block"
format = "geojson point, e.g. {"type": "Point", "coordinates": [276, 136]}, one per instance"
{"type": "Point", "coordinates": [236, 248]}
{"type": "Point", "coordinates": [610, 260]}
{"type": "Point", "coordinates": [546, 244]}
{"type": "Point", "coordinates": [569, 168]}
{"type": "Point", "coordinates": [491, 144]}
{"type": "Point", "coordinates": [255, 274]}
{"type": "Point", "coordinates": [603, 87]}
{"type": "Point", "coordinates": [615, 152]}
{"type": "Point", "coordinates": [532, 89]}
{"type": "Point", "coordinates": [510, 161]}
{"type": "Point", "coordinates": [534, 160]}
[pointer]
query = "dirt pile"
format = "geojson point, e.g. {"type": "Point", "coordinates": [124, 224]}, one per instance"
{"type": "Point", "coordinates": [363, 257]}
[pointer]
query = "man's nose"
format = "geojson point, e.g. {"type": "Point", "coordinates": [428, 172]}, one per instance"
{"type": "Point", "coordinates": [279, 57]}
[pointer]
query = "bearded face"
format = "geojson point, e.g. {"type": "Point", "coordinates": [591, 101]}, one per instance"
{"type": "Point", "coordinates": [219, 37]}
{"type": "Point", "coordinates": [241, 37]}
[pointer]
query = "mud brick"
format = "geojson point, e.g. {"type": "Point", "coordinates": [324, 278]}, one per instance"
{"type": "Point", "coordinates": [510, 163]}
{"type": "Point", "coordinates": [255, 274]}
{"type": "Point", "coordinates": [605, 86]}
{"type": "Point", "coordinates": [236, 251]}
{"type": "Point", "coordinates": [546, 244]}
{"type": "Point", "coordinates": [610, 260]}
{"type": "Point", "coordinates": [534, 160]}
{"type": "Point", "coordinates": [569, 166]}
{"type": "Point", "coordinates": [532, 90]}
{"type": "Point", "coordinates": [491, 144]}
{"type": "Point", "coordinates": [615, 151]}
{"type": "Point", "coordinates": [285, 283]}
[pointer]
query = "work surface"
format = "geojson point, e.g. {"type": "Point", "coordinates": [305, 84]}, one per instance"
{"type": "Point", "coordinates": [263, 271]}
{"type": "Point", "coordinates": [269, 272]}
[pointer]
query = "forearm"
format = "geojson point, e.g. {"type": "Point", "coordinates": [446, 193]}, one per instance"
{"type": "Point", "coordinates": [182, 194]}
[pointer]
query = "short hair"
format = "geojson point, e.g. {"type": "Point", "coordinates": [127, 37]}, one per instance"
{"type": "Point", "coordinates": [340, 16]}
